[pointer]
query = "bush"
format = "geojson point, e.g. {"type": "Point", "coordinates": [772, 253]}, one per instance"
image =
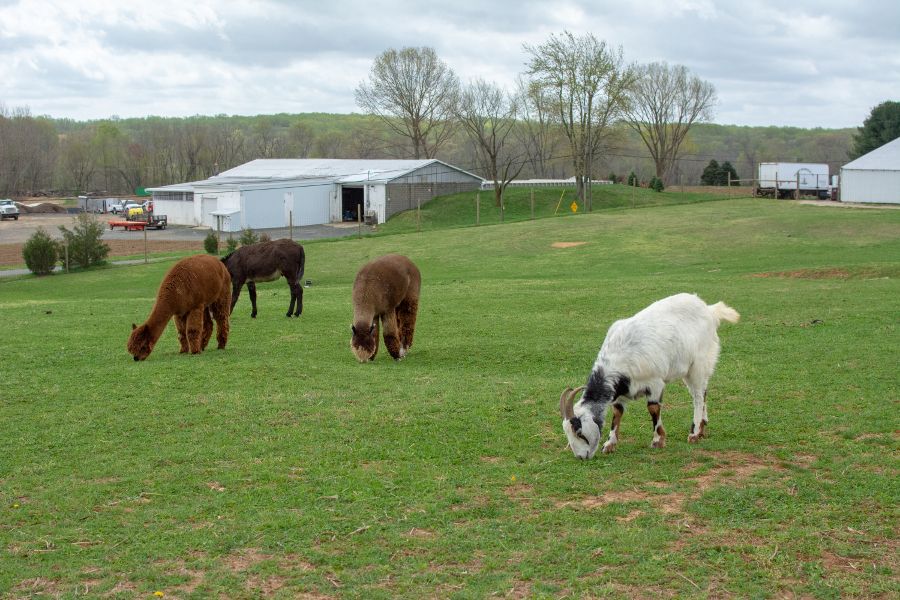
{"type": "Point", "coordinates": [231, 245]}
{"type": "Point", "coordinates": [613, 178]}
{"type": "Point", "coordinates": [248, 237]}
{"type": "Point", "coordinates": [211, 243]}
{"type": "Point", "coordinates": [40, 253]}
{"type": "Point", "coordinates": [656, 184]}
{"type": "Point", "coordinates": [632, 178]}
{"type": "Point", "coordinates": [85, 242]}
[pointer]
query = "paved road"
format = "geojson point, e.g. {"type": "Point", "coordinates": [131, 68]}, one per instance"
{"type": "Point", "coordinates": [18, 232]}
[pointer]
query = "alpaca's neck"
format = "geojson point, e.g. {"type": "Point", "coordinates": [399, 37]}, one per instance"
{"type": "Point", "coordinates": [157, 321]}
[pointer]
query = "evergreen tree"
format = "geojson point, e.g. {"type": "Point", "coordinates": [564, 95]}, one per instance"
{"type": "Point", "coordinates": [882, 126]}
{"type": "Point", "coordinates": [710, 174]}
{"type": "Point", "coordinates": [724, 171]}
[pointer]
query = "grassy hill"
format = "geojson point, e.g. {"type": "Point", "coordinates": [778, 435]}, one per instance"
{"type": "Point", "coordinates": [280, 467]}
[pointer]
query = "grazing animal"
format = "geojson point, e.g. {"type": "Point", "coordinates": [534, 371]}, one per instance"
{"type": "Point", "coordinates": [196, 290]}
{"type": "Point", "coordinates": [267, 261]}
{"type": "Point", "coordinates": [673, 338]}
{"type": "Point", "coordinates": [385, 289]}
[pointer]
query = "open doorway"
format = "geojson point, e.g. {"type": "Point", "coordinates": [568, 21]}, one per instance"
{"type": "Point", "coordinates": [351, 198]}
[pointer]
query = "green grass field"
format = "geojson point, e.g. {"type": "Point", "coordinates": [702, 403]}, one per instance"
{"type": "Point", "coordinates": [280, 467]}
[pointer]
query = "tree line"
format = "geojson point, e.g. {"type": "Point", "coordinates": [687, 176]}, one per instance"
{"type": "Point", "coordinates": [578, 109]}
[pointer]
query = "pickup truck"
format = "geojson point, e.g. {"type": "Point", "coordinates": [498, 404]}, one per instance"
{"type": "Point", "coordinates": [8, 210]}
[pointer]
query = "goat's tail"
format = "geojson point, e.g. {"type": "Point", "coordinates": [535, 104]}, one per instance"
{"type": "Point", "coordinates": [723, 312]}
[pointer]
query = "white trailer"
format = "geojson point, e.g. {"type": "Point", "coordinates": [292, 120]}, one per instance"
{"type": "Point", "coordinates": [784, 179]}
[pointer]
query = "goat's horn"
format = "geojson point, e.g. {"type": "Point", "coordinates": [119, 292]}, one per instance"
{"type": "Point", "coordinates": [566, 410]}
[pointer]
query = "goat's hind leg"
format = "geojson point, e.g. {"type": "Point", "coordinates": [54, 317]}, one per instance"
{"type": "Point", "coordinates": [699, 421]}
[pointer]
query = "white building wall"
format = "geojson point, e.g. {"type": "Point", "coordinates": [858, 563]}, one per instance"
{"type": "Point", "coordinates": [178, 212]}
{"type": "Point", "coordinates": [870, 186]}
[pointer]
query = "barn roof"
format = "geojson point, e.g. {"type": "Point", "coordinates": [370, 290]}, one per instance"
{"type": "Point", "coordinates": [335, 169]}
{"type": "Point", "coordinates": [883, 158]}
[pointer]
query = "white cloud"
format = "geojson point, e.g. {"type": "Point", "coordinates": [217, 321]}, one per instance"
{"type": "Point", "coordinates": [813, 64]}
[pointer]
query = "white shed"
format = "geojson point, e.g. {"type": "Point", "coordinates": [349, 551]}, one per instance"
{"type": "Point", "coordinates": [269, 193]}
{"type": "Point", "coordinates": [873, 177]}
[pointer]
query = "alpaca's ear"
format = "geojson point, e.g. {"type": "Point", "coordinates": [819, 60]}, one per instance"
{"type": "Point", "coordinates": [133, 326]}
{"type": "Point", "coordinates": [353, 329]}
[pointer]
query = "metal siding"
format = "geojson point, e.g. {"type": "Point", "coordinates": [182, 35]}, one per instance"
{"type": "Point", "coordinates": [265, 209]}
{"type": "Point", "coordinates": [881, 187]}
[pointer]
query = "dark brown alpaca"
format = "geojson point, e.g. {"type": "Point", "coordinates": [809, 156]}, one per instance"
{"type": "Point", "coordinates": [195, 291]}
{"type": "Point", "coordinates": [385, 289]}
{"type": "Point", "coordinates": [267, 261]}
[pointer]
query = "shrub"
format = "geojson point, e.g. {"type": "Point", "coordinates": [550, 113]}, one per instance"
{"type": "Point", "coordinates": [656, 184]}
{"type": "Point", "coordinates": [264, 237]}
{"type": "Point", "coordinates": [231, 245]}
{"type": "Point", "coordinates": [85, 242]}
{"type": "Point", "coordinates": [248, 237]}
{"type": "Point", "coordinates": [211, 243]}
{"type": "Point", "coordinates": [632, 178]}
{"type": "Point", "coordinates": [40, 253]}
{"type": "Point", "coordinates": [613, 178]}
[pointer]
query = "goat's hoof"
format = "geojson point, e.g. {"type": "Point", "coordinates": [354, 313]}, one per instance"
{"type": "Point", "coordinates": [608, 448]}
{"type": "Point", "coordinates": [660, 443]}
{"type": "Point", "coordinates": [694, 438]}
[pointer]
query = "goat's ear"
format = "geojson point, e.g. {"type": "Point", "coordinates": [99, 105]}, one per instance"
{"type": "Point", "coordinates": [353, 329]}
{"type": "Point", "coordinates": [133, 326]}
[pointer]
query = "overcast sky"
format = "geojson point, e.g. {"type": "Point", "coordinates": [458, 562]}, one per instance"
{"type": "Point", "coordinates": [804, 63]}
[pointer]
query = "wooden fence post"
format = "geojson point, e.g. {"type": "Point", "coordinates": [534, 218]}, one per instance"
{"type": "Point", "coordinates": [359, 220]}
{"type": "Point", "coordinates": [477, 208]}
{"type": "Point", "coordinates": [532, 204]}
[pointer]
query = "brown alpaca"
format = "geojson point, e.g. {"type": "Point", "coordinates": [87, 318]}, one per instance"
{"type": "Point", "coordinates": [196, 290]}
{"type": "Point", "coordinates": [267, 261]}
{"type": "Point", "coordinates": [386, 288]}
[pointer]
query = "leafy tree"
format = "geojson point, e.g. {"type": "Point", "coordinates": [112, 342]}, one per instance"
{"type": "Point", "coordinates": [40, 253]}
{"type": "Point", "coordinates": [231, 245]}
{"type": "Point", "coordinates": [413, 92]}
{"type": "Point", "coordinates": [881, 126]}
{"type": "Point", "coordinates": [488, 116]}
{"type": "Point", "coordinates": [85, 241]}
{"type": "Point", "coordinates": [586, 83]}
{"type": "Point", "coordinates": [664, 102]}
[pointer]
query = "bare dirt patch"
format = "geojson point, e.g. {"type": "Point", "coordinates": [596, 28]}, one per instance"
{"type": "Point", "coordinates": [828, 273]}
{"type": "Point", "coordinates": [566, 244]}
{"type": "Point", "coordinates": [245, 559]}
{"type": "Point", "coordinates": [11, 254]}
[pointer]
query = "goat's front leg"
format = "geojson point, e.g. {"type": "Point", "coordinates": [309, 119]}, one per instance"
{"type": "Point", "coordinates": [654, 407]}
{"type": "Point", "coordinates": [610, 445]}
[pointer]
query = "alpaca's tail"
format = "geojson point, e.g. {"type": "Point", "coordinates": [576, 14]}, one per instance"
{"type": "Point", "coordinates": [723, 312]}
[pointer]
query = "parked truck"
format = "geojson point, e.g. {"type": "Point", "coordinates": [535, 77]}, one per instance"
{"type": "Point", "coordinates": [786, 180]}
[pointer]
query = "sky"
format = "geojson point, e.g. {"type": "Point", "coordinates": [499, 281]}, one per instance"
{"type": "Point", "coordinates": [805, 63]}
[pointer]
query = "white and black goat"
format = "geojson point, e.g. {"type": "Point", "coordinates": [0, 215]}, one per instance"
{"type": "Point", "coordinates": [673, 338]}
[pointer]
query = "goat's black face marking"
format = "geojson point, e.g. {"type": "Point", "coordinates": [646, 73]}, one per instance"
{"type": "Point", "coordinates": [576, 425]}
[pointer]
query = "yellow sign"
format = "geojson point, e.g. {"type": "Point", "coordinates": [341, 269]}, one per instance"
{"type": "Point", "coordinates": [574, 207]}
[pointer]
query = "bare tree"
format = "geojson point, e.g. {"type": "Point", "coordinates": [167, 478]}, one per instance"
{"type": "Point", "coordinates": [414, 93]}
{"type": "Point", "coordinates": [488, 116]}
{"type": "Point", "coordinates": [587, 82]}
{"type": "Point", "coordinates": [664, 102]}
{"type": "Point", "coordinates": [538, 130]}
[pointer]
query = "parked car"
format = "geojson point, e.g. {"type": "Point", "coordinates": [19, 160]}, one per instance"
{"type": "Point", "coordinates": [8, 210]}
{"type": "Point", "coordinates": [114, 205]}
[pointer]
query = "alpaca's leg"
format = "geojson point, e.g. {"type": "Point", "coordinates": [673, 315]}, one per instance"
{"type": "Point", "coordinates": [195, 329]}
{"type": "Point", "coordinates": [181, 327]}
{"type": "Point", "coordinates": [221, 315]}
{"type": "Point", "coordinates": [207, 329]}
{"type": "Point", "coordinates": [406, 321]}
{"type": "Point", "coordinates": [391, 338]}
{"type": "Point", "coordinates": [251, 289]}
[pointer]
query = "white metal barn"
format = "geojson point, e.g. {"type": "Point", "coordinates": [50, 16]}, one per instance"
{"type": "Point", "coordinates": [873, 177]}
{"type": "Point", "coordinates": [268, 193]}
